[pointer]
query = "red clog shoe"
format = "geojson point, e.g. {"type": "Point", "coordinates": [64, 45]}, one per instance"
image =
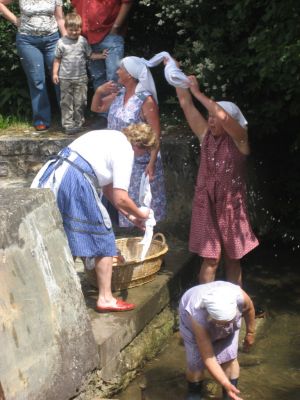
{"type": "Point", "coordinates": [119, 306]}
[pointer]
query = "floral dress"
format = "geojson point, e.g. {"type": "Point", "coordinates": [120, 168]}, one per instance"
{"type": "Point", "coordinates": [120, 116]}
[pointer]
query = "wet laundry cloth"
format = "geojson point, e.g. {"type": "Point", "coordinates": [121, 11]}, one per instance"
{"type": "Point", "coordinates": [138, 67]}
{"type": "Point", "coordinates": [174, 76]}
{"type": "Point", "coordinates": [145, 198]}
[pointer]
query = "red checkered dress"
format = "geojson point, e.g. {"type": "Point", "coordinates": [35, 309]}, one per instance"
{"type": "Point", "coordinates": [219, 217]}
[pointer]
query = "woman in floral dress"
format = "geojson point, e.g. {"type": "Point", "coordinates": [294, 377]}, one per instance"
{"type": "Point", "coordinates": [135, 102]}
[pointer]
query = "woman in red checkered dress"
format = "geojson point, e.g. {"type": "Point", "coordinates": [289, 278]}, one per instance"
{"type": "Point", "coordinates": [220, 222]}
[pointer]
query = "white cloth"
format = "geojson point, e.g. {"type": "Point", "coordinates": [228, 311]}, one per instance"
{"type": "Point", "coordinates": [107, 151]}
{"type": "Point", "coordinates": [145, 198]}
{"type": "Point", "coordinates": [221, 303]}
{"type": "Point", "coordinates": [137, 68]}
{"type": "Point", "coordinates": [233, 110]}
{"type": "Point", "coordinates": [174, 76]}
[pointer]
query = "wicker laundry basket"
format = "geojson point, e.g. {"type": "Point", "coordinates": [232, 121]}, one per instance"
{"type": "Point", "coordinates": [134, 272]}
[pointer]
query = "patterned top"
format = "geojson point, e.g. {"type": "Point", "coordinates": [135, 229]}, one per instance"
{"type": "Point", "coordinates": [120, 116]}
{"type": "Point", "coordinates": [220, 216]}
{"type": "Point", "coordinates": [73, 54]}
{"type": "Point", "coordinates": [37, 17]}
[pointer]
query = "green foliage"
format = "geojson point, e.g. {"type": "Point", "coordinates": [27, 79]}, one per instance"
{"type": "Point", "coordinates": [14, 92]}
{"type": "Point", "coordinates": [247, 51]}
{"type": "Point", "coordinates": [9, 121]}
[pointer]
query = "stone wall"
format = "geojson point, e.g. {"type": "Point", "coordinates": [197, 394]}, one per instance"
{"type": "Point", "coordinates": [46, 341]}
{"type": "Point", "coordinates": [46, 352]}
{"type": "Point", "coordinates": [21, 158]}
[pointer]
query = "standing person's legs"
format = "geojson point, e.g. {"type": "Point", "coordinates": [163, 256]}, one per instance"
{"type": "Point", "coordinates": [106, 301]}
{"type": "Point", "coordinates": [80, 101]}
{"type": "Point", "coordinates": [208, 270]}
{"type": "Point", "coordinates": [233, 270]}
{"type": "Point", "coordinates": [30, 50]}
{"type": "Point", "coordinates": [49, 55]}
{"type": "Point", "coordinates": [66, 104]}
{"type": "Point", "coordinates": [194, 384]}
{"type": "Point", "coordinates": [195, 366]}
{"type": "Point", "coordinates": [102, 71]}
{"type": "Point", "coordinates": [115, 54]}
{"type": "Point", "coordinates": [103, 268]}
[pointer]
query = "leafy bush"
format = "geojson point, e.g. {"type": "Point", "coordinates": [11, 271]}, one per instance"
{"type": "Point", "coordinates": [249, 52]}
{"type": "Point", "coordinates": [15, 98]}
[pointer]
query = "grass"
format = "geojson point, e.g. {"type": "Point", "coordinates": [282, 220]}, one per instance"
{"type": "Point", "coordinates": [12, 122]}
{"type": "Point", "coordinates": [12, 126]}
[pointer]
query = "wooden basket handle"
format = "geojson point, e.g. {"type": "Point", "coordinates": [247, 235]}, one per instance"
{"type": "Point", "coordinates": [160, 236]}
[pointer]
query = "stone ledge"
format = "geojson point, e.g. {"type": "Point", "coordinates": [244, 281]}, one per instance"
{"type": "Point", "coordinates": [117, 335]}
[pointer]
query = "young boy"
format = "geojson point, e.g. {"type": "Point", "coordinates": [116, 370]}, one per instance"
{"type": "Point", "coordinates": [69, 71]}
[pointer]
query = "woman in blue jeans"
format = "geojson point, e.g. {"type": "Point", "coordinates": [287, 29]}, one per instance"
{"type": "Point", "coordinates": [36, 39]}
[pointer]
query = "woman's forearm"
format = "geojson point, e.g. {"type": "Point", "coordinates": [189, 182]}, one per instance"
{"type": "Point", "coordinates": [7, 14]}
{"type": "Point", "coordinates": [249, 313]}
{"type": "Point", "coordinates": [153, 154]}
{"type": "Point", "coordinates": [216, 371]}
{"type": "Point", "coordinates": [59, 16]}
{"type": "Point", "coordinates": [125, 204]}
{"type": "Point", "coordinates": [103, 97]}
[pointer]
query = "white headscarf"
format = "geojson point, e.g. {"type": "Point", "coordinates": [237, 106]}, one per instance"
{"type": "Point", "coordinates": [233, 110]}
{"type": "Point", "coordinates": [221, 303]}
{"type": "Point", "coordinates": [137, 68]}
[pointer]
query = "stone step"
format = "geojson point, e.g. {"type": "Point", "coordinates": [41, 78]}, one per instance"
{"type": "Point", "coordinates": [125, 339]}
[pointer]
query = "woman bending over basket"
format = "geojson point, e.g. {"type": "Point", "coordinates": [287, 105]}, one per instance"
{"type": "Point", "coordinates": [98, 159]}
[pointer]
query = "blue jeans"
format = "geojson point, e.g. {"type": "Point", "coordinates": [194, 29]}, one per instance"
{"type": "Point", "coordinates": [37, 55]}
{"type": "Point", "coordinates": [102, 71]}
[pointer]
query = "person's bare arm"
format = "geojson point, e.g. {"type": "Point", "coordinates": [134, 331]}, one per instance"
{"type": "Point", "coordinates": [59, 16]}
{"type": "Point", "coordinates": [151, 116]}
{"type": "Point", "coordinates": [207, 354]}
{"type": "Point", "coordinates": [121, 17]}
{"type": "Point", "coordinates": [104, 96]}
{"type": "Point", "coordinates": [195, 119]}
{"type": "Point", "coordinates": [249, 316]}
{"type": "Point", "coordinates": [229, 124]}
{"type": "Point", "coordinates": [55, 69]}
{"type": "Point", "coordinates": [7, 14]}
{"type": "Point", "coordinates": [123, 203]}
{"type": "Point", "coordinates": [121, 200]}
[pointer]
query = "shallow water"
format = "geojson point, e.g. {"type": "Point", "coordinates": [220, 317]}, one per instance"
{"type": "Point", "coordinates": [272, 370]}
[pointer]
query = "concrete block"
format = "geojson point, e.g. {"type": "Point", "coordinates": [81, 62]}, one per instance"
{"type": "Point", "coordinates": [46, 341]}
